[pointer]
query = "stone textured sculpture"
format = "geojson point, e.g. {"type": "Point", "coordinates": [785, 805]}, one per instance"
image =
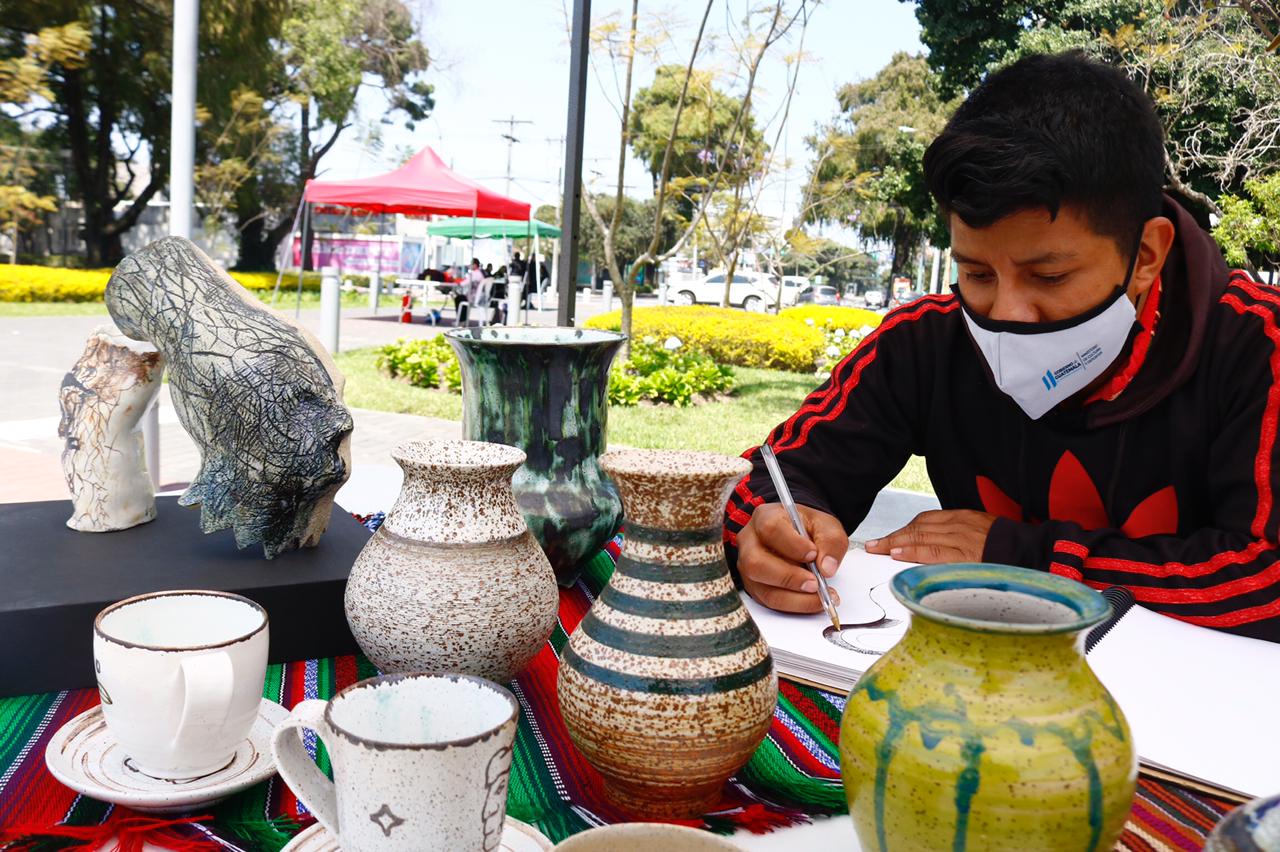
{"type": "Point", "coordinates": [257, 393]}
{"type": "Point", "coordinates": [102, 399]}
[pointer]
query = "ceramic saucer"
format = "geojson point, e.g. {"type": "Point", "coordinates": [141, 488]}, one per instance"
{"type": "Point", "coordinates": [517, 836]}
{"type": "Point", "coordinates": [84, 756]}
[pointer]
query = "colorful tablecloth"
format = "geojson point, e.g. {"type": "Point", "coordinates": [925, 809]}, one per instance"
{"type": "Point", "coordinates": [793, 777]}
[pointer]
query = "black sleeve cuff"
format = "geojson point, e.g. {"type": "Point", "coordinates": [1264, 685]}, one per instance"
{"type": "Point", "coordinates": [1014, 543]}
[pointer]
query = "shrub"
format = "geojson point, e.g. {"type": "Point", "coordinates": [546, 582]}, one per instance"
{"type": "Point", "coordinates": [426, 363]}
{"type": "Point", "coordinates": [653, 373]}
{"type": "Point", "coordinates": [673, 375]}
{"type": "Point", "coordinates": [729, 336]}
{"type": "Point", "coordinates": [22, 283]}
{"type": "Point", "coordinates": [49, 284]}
{"type": "Point", "coordinates": [850, 319]}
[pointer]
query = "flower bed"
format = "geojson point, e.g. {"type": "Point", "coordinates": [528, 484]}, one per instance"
{"type": "Point", "coordinates": [25, 283]}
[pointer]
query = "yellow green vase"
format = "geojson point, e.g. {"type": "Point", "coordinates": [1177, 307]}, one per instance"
{"type": "Point", "coordinates": [984, 728]}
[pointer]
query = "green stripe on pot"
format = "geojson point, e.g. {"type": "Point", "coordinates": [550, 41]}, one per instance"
{"type": "Point", "coordinates": [655, 573]}
{"type": "Point", "coordinates": [729, 641]}
{"type": "Point", "coordinates": [653, 535]}
{"type": "Point", "coordinates": [668, 686]}
{"type": "Point", "coordinates": [649, 608]}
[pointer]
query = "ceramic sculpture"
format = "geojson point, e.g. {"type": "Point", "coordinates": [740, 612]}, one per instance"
{"type": "Point", "coordinates": [258, 394]}
{"type": "Point", "coordinates": [666, 686]}
{"type": "Point", "coordinates": [545, 390]}
{"type": "Point", "coordinates": [103, 399]}
{"type": "Point", "coordinates": [984, 727]}
{"type": "Point", "coordinates": [453, 580]}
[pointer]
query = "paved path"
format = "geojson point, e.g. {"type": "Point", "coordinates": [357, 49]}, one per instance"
{"type": "Point", "coordinates": [36, 352]}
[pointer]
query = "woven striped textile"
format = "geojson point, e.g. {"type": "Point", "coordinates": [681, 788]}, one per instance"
{"type": "Point", "coordinates": [793, 777]}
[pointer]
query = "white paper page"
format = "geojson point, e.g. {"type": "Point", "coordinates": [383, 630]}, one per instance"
{"type": "Point", "coordinates": [862, 581]}
{"type": "Point", "coordinates": [1199, 701]}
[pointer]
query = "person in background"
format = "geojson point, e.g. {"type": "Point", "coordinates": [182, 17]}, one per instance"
{"type": "Point", "coordinates": [467, 290]}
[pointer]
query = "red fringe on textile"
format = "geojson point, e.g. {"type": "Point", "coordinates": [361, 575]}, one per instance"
{"type": "Point", "coordinates": [755, 818]}
{"type": "Point", "coordinates": [131, 833]}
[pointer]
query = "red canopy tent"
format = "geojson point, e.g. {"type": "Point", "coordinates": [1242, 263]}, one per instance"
{"type": "Point", "coordinates": [422, 186]}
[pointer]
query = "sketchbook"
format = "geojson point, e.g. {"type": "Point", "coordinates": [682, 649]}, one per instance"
{"type": "Point", "coordinates": [806, 648]}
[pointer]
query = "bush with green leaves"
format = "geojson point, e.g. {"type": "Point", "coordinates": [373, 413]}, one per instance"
{"type": "Point", "coordinates": [667, 372]}
{"type": "Point", "coordinates": [425, 363]}
{"type": "Point", "coordinates": [838, 342]}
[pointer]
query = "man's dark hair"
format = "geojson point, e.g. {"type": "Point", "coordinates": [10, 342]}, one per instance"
{"type": "Point", "coordinates": [1048, 131]}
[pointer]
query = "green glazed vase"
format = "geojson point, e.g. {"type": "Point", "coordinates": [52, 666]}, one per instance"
{"type": "Point", "coordinates": [545, 390]}
{"type": "Point", "coordinates": [984, 728]}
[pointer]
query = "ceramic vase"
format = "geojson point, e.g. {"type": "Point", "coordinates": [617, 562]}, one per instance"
{"type": "Point", "coordinates": [984, 727]}
{"type": "Point", "coordinates": [666, 686]}
{"type": "Point", "coordinates": [453, 581]}
{"type": "Point", "coordinates": [545, 390]}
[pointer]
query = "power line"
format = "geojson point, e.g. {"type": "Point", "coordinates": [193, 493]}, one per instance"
{"type": "Point", "coordinates": [510, 136]}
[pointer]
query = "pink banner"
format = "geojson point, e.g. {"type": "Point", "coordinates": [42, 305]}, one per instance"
{"type": "Point", "coordinates": [353, 254]}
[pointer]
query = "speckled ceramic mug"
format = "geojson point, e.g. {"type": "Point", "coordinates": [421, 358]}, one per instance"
{"type": "Point", "coordinates": [420, 762]}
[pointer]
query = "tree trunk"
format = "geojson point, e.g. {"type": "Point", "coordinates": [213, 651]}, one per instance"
{"type": "Point", "coordinates": [628, 300]}
{"type": "Point", "coordinates": [257, 249]}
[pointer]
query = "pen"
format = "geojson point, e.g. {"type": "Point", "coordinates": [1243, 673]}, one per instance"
{"type": "Point", "coordinates": [784, 495]}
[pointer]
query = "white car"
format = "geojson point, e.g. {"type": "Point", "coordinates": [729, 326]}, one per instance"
{"type": "Point", "coordinates": [754, 291]}
{"type": "Point", "coordinates": [792, 285]}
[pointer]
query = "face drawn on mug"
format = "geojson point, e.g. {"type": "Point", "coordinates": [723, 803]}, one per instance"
{"type": "Point", "coordinates": [496, 776]}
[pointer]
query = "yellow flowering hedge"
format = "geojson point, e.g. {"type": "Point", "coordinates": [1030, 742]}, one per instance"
{"type": "Point", "coordinates": [24, 283]}
{"type": "Point", "coordinates": [850, 319]}
{"type": "Point", "coordinates": [730, 336]}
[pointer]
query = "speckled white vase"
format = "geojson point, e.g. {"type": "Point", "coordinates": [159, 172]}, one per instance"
{"type": "Point", "coordinates": [420, 762]}
{"type": "Point", "coordinates": [453, 580]}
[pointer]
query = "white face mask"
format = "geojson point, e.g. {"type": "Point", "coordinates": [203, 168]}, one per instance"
{"type": "Point", "coordinates": [1041, 364]}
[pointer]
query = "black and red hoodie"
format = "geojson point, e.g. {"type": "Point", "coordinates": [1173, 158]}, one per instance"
{"type": "Point", "coordinates": [1165, 480]}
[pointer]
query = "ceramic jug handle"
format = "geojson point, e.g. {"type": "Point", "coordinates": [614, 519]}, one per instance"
{"type": "Point", "coordinates": [297, 768]}
{"type": "Point", "coordinates": [208, 685]}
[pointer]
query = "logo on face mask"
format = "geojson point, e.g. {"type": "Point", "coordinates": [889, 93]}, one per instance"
{"type": "Point", "coordinates": [1083, 359]}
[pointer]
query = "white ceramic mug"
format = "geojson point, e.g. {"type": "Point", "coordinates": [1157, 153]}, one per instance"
{"type": "Point", "coordinates": [180, 674]}
{"type": "Point", "coordinates": [420, 762]}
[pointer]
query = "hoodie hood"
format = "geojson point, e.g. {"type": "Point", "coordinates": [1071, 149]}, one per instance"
{"type": "Point", "coordinates": [1192, 280]}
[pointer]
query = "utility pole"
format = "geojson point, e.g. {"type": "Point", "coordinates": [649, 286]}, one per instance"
{"type": "Point", "coordinates": [510, 136]}
{"type": "Point", "coordinates": [567, 280]}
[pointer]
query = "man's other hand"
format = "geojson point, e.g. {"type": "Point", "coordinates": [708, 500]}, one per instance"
{"type": "Point", "coordinates": [942, 535]}
{"type": "Point", "coordinates": [772, 557]}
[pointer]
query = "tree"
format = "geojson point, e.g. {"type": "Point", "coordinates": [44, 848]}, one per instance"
{"type": "Point", "coordinates": [867, 171]}
{"type": "Point", "coordinates": [1249, 230]}
{"type": "Point", "coordinates": [706, 129]}
{"type": "Point", "coordinates": [105, 97]}
{"type": "Point", "coordinates": [329, 48]}
{"type": "Point", "coordinates": [1210, 67]}
{"type": "Point", "coordinates": [631, 236]}
{"type": "Point", "coordinates": [810, 256]}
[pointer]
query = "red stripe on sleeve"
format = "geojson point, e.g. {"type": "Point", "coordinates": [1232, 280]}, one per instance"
{"type": "Point", "coordinates": [818, 400]}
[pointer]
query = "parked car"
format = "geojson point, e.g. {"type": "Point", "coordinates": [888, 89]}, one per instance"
{"type": "Point", "coordinates": [754, 291]}
{"type": "Point", "coordinates": [823, 294]}
{"type": "Point", "coordinates": [791, 287]}
{"type": "Point", "coordinates": [874, 299]}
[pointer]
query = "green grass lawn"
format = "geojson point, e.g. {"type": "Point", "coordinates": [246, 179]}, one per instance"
{"type": "Point", "coordinates": [288, 298]}
{"type": "Point", "coordinates": [762, 400]}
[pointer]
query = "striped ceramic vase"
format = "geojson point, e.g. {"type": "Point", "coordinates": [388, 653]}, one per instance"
{"type": "Point", "coordinates": [666, 686]}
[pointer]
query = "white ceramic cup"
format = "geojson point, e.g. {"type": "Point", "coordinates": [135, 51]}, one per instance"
{"type": "Point", "coordinates": [180, 674]}
{"type": "Point", "coordinates": [420, 762]}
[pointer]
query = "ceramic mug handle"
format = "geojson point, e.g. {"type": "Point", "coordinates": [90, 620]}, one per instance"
{"type": "Point", "coordinates": [297, 768]}
{"type": "Point", "coordinates": [209, 682]}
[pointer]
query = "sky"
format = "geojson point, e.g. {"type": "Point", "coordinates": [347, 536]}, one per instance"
{"type": "Point", "coordinates": [495, 59]}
